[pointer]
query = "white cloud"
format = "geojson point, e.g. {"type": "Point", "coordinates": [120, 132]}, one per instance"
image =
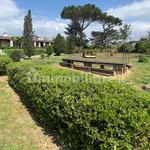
{"type": "Point", "coordinates": [136, 10]}
{"type": "Point", "coordinates": [137, 14]}
{"type": "Point", "coordinates": [8, 9]}
{"type": "Point", "coordinates": [12, 17]}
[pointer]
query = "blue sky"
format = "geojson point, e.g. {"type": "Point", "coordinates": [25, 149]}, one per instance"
{"type": "Point", "coordinates": [48, 23]}
{"type": "Point", "coordinates": [52, 8]}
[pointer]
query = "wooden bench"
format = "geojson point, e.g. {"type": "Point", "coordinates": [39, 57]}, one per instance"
{"type": "Point", "coordinates": [82, 68]}
{"type": "Point", "coordinates": [64, 64]}
{"type": "Point", "coordinates": [103, 71]}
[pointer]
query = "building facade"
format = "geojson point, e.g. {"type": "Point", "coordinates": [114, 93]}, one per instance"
{"type": "Point", "coordinates": [6, 41]}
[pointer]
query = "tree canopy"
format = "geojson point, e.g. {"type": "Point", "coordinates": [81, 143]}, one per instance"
{"type": "Point", "coordinates": [81, 17]}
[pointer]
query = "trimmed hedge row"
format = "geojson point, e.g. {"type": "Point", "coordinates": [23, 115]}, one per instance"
{"type": "Point", "coordinates": [4, 61]}
{"type": "Point", "coordinates": [88, 115]}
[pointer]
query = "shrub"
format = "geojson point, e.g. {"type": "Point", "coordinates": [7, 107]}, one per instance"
{"type": "Point", "coordinates": [42, 55]}
{"type": "Point", "coordinates": [49, 50]}
{"type": "Point", "coordinates": [4, 61]}
{"type": "Point", "coordinates": [87, 115]}
{"type": "Point", "coordinates": [143, 59]}
{"type": "Point", "coordinates": [16, 55]}
{"type": "Point", "coordinates": [39, 51]}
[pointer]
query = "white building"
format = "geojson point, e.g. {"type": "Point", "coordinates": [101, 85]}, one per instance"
{"type": "Point", "coordinates": [6, 41]}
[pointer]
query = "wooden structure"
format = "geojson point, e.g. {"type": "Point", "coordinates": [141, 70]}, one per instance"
{"type": "Point", "coordinates": [88, 65]}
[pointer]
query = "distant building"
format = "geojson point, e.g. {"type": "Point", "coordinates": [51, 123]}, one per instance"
{"type": "Point", "coordinates": [6, 41]}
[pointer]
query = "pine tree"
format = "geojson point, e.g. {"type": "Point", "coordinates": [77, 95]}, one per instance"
{"type": "Point", "coordinates": [28, 45]}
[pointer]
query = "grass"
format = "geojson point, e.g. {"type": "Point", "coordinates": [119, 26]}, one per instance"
{"type": "Point", "coordinates": [140, 74]}
{"type": "Point", "coordinates": [48, 60]}
{"type": "Point", "coordinates": [18, 131]}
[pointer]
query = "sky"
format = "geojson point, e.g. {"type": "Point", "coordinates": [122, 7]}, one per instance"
{"type": "Point", "coordinates": [48, 23]}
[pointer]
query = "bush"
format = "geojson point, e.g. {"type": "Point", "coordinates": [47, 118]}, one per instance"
{"type": "Point", "coordinates": [143, 59]}
{"type": "Point", "coordinates": [42, 55]}
{"type": "Point", "coordinates": [4, 61]}
{"type": "Point", "coordinates": [40, 51]}
{"type": "Point", "coordinates": [16, 55]}
{"type": "Point", "coordinates": [87, 115]}
{"type": "Point", "coordinates": [8, 52]}
{"type": "Point", "coordinates": [49, 50]}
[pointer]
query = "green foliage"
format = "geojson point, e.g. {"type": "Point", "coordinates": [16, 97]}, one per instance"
{"type": "Point", "coordinates": [70, 45]}
{"type": "Point", "coordinates": [9, 51]}
{"type": "Point", "coordinates": [49, 50]}
{"type": "Point", "coordinates": [4, 61]}
{"type": "Point", "coordinates": [28, 45]}
{"type": "Point", "coordinates": [42, 56]}
{"type": "Point", "coordinates": [16, 55]}
{"type": "Point", "coordinates": [143, 59]}
{"type": "Point", "coordinates": [81, 17]}
{"type": "Point", "coordinates": [59, 44]}
{"type": "Point", "coordinates": [88, 115]}
{"type": "Point", "coordinates": [17, 41]}
{"type": "Point", "coordinates": [142, 47]}
{"type": "Point", "coordinates": [125, 32]}
{"type": "Point", "coordinates": [126, 47]}
{"type": "Point", "coordinates": [39, 51]}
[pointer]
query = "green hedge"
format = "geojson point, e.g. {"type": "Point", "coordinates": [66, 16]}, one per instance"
{"type": "Point", "coordinates": [8, 52]}
{"type": "Point", "coordinates": [4, 61]}
{"type": "Point", "coordinates": [90, 115]}
{"type": "Point", "coordinates": [39, 51]}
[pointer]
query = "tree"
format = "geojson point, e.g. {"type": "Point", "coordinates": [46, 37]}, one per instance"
{"type": "Point", "coordinates": [125, 33]}
{"type": "Point", "coordinates": [49, 50]}
{"type": "Point", "coordinates": [28, 35]}
{"type": "Point", "coordinates": [70, 45]}
{"type": "Point", "coordinates": [81, 17]}
{"type": "Point", "coordinates": [59, 44]}
{"type": "Point", "coordinates": [108, 34]}
{"type": "Point", "coordinates": [17, 41]}
{"type": "Point", "coordinates": [108, 23]}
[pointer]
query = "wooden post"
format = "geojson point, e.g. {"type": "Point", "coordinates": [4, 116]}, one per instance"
{"type": "Point", "coordinates": [102, 66]}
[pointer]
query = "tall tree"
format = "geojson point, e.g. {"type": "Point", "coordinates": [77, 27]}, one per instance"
{"type": "Point", "coordinates": [59, 44]}
{"type": "Point", "coordinates": [82, 16]}
{"type": "Point", "coordinates": [28, 35]}
{"type": "Point", "coordinates": [125, 33]}
{"type": "Point", "coordinates": [108, 23]}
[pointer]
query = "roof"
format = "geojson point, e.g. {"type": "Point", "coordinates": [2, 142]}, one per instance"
{"type": "Point", "coordinates": [36, 40]}
{"type": "Point", "coordinates": [47, 41]}
{"type": "Point", "coordinates": [5, 38]}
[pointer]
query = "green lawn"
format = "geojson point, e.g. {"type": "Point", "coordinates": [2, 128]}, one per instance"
{"type": "Point", "coordinates": [48, 60]}
{"type": "Point", "coordinates": [140, 74]}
